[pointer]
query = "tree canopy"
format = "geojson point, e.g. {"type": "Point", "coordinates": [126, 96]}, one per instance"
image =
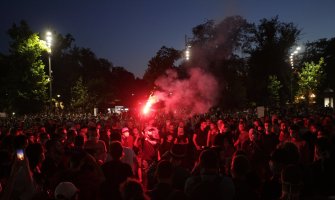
{"type": "Point", "coordinates": [23, 79]}
{"type": "Point", "coordinates": [249, 61]}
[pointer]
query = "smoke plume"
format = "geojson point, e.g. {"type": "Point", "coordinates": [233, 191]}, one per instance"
{"type": "Point", "coordinates": [187, 97]}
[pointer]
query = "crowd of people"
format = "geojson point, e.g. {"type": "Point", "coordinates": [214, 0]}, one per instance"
{"type": "Point", "coordinates": [208, 156]}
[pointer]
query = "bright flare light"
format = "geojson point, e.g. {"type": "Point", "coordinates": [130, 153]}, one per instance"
{"type": "Point", "coordinates": [149, 103]}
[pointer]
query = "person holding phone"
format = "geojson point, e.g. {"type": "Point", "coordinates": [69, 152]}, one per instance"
{"type": "Point", "coordinates": [23, 182]}
{"type": "Point", "coordinates": [20, 154]}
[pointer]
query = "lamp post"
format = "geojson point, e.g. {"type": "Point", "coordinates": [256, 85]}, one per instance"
{"type": "Point", "coordinates": [49, 40]}
{"type": "Point", "coordinates": [295, 52]}
{"type": "Point", "coordinates": [188, 49]}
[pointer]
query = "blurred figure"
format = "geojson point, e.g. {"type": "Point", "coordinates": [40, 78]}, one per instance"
{"type": "Point", "coordinates": [213, 131]}
{"type": "Point", "coordinates": [208, 183]}
{"type": "Point", "coordinates": [302, 145]}
{"type": "Point", "coordinates": [284, 135]}
{"type": "Point", "coordinates": [240, 168]}
{"type": "Point", "coordinates": [132, 189]}
{"type": "Point", "coordinates": [269, 140]}
{"type": "Point", "coordinates": [167, 141]}
{"type": "Point", "coordinates": [115, 172]}
{"type": "Point", "coordinates": [242, 136]}
{"type": "Point", "coordinates": [96, 147]}
{"type": "Point", "coordinates": [66, 191]}
{"type": "Point", "coordinates": [323, 169]}
{"type": "Point", "coordinates": [200, 136]}
{"type": "Point", "coordinates": [163, 189]}
{"type": "Point", "coordinates": [291, 178]}
{"type": "Point", "coordinates": [181, 137]}
{"type": "Point", "coordinates": [127, 139]}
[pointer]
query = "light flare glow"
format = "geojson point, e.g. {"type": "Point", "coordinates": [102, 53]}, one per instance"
{"type": "Point", "coordinates": [152, 99]}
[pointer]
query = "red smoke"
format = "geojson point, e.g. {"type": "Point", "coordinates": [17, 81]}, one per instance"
{"type": "Point", "coordinates": [187, 97]}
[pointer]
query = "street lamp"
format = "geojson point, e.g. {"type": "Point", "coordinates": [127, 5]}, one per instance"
{"type": "Point", "coordinates": [188, 48]}
{"type": "Point", "coordinates": [295, 52]}
{"type": "Point", "coordinates": [49, 41]}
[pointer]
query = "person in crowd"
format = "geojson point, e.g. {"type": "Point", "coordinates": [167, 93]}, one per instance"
{"type": "Point", "coordinates": [208, 179]}
{"type": "Point", "coordinates": [311, 136]}
{"type": "Point", "coordinates": [83, 132]}
{"type": "Point", "coordinates": [164, 189]}
{"type": "Point", "coordinates": [240, 169]}
{"type": "Point", "coordinates": [212, 132]}
{"type": "Point", "coordinates": [71, 135]}
{"type": "Point", "coordinates": [292, 183]}
{"type": "Point", "coordinates": [115, 172]}
{"type": "Point", "coordinates": [242, 135]}
{"type": "Point", "coordinates": [138, 143]}
{"type": "Point", "coordinates": [138, 137]}
{"type": "Point", "coordinates": [272, 186]}
{"type": "Point", "coordinates": [79, 143]}
{"type": "Point", "coordinates": [132, 189]}
{"type": "Point", "coordinates": [98, 128]}
{"type": "Point", "coordinates": [200, 136]}
{"type": "Point", "coordinates": [284, 135]}
{"type": "Point", "coordinates": [301, 144]}
{"type": "Point", "coordinates": [55, 162]}
{"type": "Point", "coordinates": [323, 169]}
{"type": "Point", "coordinates": [223, 151]}
{"type": "Point", "coordinates": [61, 135]}
{"type": "Point", "coordinates": [105, 136]}
{"type": "Point", "coordinates": [66, 191]}
{"type": "Point", "coordinates": [129, 155]}
{"type": "Point", "coordinates": [44, 137]}
{"type": "Point", "coordinates": [67, 161]}
{"type": "Point", "coordinates": [127, 139]}
{"type": "Point", "coordinates": [257, 125]}
{"type": "Point", "coordinates": [255, 153]}
{"type": "Point", "coordinates": [96, 147]}
{"type": "Point", "coordinates": [222, 126]}
{"type": "Point", "coordinates": [25, 180]}
{"type": "Point", "coordinates": [150, 145]}
{"type": "Point", "coordinates": [180, 161]}
{"type": "Point", "coordinates": [86, 174]}
{"type": "Point", "coordinates": [181, 138]}
{"type": "Point", "coordinates": [269, 139]}
{"type": "Point", "coordinates": [275, 124]}
{"type": "Point", "coordinates": [166, 141]}
{"type": "Point", "coordinates": [165, 128]}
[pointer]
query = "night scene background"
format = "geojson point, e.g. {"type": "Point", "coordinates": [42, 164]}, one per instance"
{"type": "Point", "coordinates": [141, 39]}
{"type": "Point", "coordinates": [173, 99]}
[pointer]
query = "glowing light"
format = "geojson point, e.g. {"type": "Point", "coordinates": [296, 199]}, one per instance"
{"type": "Point", "coordinates": [49, 40]}
{"type": "Point", "coordinates": [152, 99]}
{"type": "Point", "coordinates": [188, 52]}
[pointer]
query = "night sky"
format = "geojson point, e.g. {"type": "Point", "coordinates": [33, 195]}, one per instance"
{"type": "Point", "coordinates": [129, 32]}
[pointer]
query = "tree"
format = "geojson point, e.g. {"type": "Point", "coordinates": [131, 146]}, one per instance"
{"type": "Point", "coordinates": [80, 97]}
{"type": "Point", "coordinates": [274, 86]}
{"type": "Point", "coordinates": [123, 83]}
{"type": "Point", "coordinates": [163, 60]}
{"type": "Point", "coordinates": [322, 48]}
{"type": "Point", "coordinates": [215, 47]}
{"type": "Point", "coordinates": [23, 79]}
{"type": "Point", "coordinates": [268, 45]}
{"type": "Point", "coordinates": [24, 82]}
{"type": "Point", "coordinates": [309, 79]}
